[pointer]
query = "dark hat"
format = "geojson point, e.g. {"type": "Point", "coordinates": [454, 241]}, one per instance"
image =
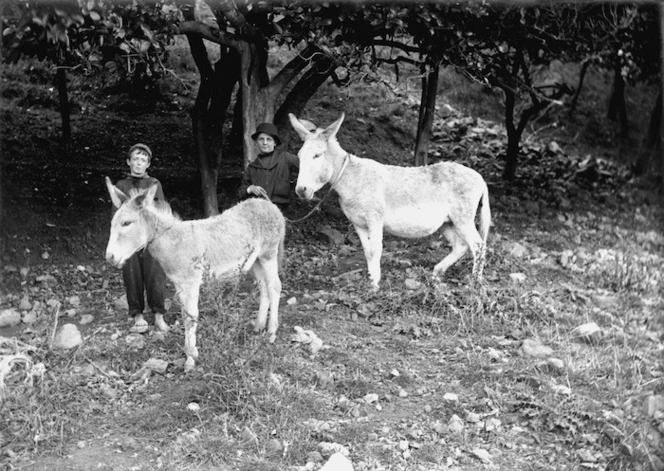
{"type": "Point", "coordinates": [142, 147]}
{"type": "Point", "coordinates": [267, 128]}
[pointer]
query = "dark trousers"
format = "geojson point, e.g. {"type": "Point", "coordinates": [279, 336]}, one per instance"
{"type": "Point", "coordinates": [140, 274]}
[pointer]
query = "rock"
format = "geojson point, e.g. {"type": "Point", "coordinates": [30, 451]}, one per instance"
{"type": "Point", "coordinates": [516, 250]}
{"type": "Point", "coordinates": [274, 447]}
{"type": "Point", "coordinates": [329, 448]}
{"type": "Point", "coordinates": [248, 437]}
{"type": "Point", "coordinates": [87, 319]}
{"type": "Point", "coordinates": [29, 317]}
{"type": "Point", "coordinates": [556, 364]}
{"type": "Point", "coordinates": [653, 404]}
{"type": "Point", "coordinates": [314, 457]}
{"type": "Point", "coordinates": [587, 331]}
{"type": "Point", "coordinates": [9, 317]}
{"type": "Point", "coordinates": [338, 462]}
{"type": "Point", "coordinates": [75, 301]}
{"type": "Point", "coordinates": [473, 417]}
{"type": "Point", "coordinates": [25, 304]}
{"type": "Point", "coordinates": [534, 348]}
{"type": "Point", "coordinates": [370, 398]}
{"type": "Point", "coordinates": [136, 341]}
{"type": "Point", "coordinates": [67, 337]}
{"type": "Point", "coordinates": [450, 397]}
{"type": "Point", "coordinates": [412, 284]}
{"type": "Point", "coordinates": [455, 424]}
{"type": "Point", "coordinates": [585, 456]}
{"type": "Point", "coordinates": [481, 454]}
{"type": "Point", "coordinates": [156, 365]}
{"type": "Point", "coordinates": [70, 312]}
{"type": "Point", "coordinates": [491, 424]}
{"type": "Point", "coordinates": [517, 278]}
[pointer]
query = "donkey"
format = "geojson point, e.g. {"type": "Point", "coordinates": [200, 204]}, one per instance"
{"type": "Point", "coordinates": [404, 201]}
{"type": "Point", "coordinates": [248, 236]}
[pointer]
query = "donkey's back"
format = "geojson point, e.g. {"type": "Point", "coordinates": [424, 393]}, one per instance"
{"type": "Point", "coordinates": [235, 239]}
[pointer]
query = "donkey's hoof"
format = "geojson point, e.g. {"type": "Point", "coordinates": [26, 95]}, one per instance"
{"type": "Point", "coordinates": [272, 337]}
{"type": "Point", "coordinates": [189, 365]}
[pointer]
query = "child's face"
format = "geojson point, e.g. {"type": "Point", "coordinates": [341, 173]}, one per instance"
{"type": "Point", "coordinates": [138, 162]}
{"type": "Point", "coordinates": [265, 142]}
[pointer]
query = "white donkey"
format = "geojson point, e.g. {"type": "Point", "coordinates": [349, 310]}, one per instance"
{"type": "Point", "coordinates": [248, 236]}
{"type": "Point", "coordinates": [404, 201]}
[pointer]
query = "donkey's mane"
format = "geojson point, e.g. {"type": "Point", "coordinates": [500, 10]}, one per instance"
{"type": "Point", "coordinates": [161, 209]}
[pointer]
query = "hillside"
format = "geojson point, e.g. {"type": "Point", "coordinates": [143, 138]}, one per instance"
{"type": "Point", "coordinates": [554, 362]}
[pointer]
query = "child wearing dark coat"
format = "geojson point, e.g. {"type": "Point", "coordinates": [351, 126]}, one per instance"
{"type": "Point", "coordinates": [142, 273]}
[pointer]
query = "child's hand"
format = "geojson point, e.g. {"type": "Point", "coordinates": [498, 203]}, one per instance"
{"type": "Point", "coordinates": [258, 191]}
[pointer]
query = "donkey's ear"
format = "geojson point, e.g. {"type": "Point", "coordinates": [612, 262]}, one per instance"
{"type": "Point", "coordinates": [300, 128]}
{"type": "Point", "coordinates": [332, 129]}
{"type": "Point", "coordinates": [150, 194]}
{"type": "Point", "coordinates": [117, 195]}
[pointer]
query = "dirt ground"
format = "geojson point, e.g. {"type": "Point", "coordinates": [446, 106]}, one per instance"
{"type": "Point", "coordinates": [420, 376]}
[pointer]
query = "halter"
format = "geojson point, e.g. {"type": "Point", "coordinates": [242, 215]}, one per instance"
{"type": "Point", "coordinates": [332, 185]}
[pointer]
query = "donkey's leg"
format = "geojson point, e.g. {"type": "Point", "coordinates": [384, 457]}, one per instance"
{"type": "Point", "coordinates": [475, 244]}
{"type": "Point", "coordinates": [372, 244]}
{"type": "Point", "coordinates": [271, 269]}
{"type": "Point", "coordinates": [462, 237]}
{"type": "Point", "coordinates": [188, 296]}
{"type": "Point", "coordinates": [260, 275]}
{"type": "Point", "coordinates": [459, 249]}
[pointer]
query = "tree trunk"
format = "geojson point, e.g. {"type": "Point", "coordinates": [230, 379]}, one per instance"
{"type": "Point", "coordinates": [661, 77]}
{"type": "Point", "coordinates": [652, 140]}
{"type": "Point", "coordinates": [208, 114]}
{"type": "Point", "coordinates": [258, 103]}
{"type": "Point", "coordinates": [65, 108]}
{"type": "Point", "coordinates": [301, 93]}
{"type": "Point", "coordinates": [617, 108]}
{"type": "Point", "coordinates": [579, 87]}
{"type": "Point", "coordinates": [426, 114]}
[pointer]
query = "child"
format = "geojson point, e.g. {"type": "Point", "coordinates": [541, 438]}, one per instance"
{"type": "Point", "coordinates": [271, 173]}
{"type": "Point", "coordinates": [141, 272]}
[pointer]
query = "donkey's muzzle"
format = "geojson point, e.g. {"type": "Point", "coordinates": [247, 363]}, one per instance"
{"type": "Point", "coordinates": [113, 260]}
{"type": "Point", "coordinates": [304, 193]}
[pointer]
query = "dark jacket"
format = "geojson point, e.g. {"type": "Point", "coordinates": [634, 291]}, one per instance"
{"type": "Point", "coordinates": [140, 183]}
{"type": "Point", "coordinates": [274, 172]}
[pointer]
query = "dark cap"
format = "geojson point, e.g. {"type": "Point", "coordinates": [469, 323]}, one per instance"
{"type": "Point", "coordinates": [267, 128]}
{"type": "Point", "coordinates": [142, 147]}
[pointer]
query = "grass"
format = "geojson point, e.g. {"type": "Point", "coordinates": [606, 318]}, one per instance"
{"type": "Point", "coordinates": [255, 406]}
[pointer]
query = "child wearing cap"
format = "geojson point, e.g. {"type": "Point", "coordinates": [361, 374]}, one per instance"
{"type": "Point", "coordinates": [142, 273]}
{"type": "Point", "coordinates": [271, 173]}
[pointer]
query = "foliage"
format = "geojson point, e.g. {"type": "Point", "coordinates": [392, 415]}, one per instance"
{"type": "Point", "coordinates": [127, 38]}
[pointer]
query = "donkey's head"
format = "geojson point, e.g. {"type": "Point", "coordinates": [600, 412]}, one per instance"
{"type": "Point", "coordinates": [316, 156]}
{"type": "Point", "coordinates": [130, 230]}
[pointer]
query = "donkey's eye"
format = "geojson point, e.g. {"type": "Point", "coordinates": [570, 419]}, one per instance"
{"type": "Point", "coordinates": [126, 223]}
{"type": "Point", "coordinates": [320, 154]}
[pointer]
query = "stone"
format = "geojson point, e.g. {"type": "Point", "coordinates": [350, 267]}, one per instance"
{"type": "Point", "coordinates": [25, 304]}
{"type": "Point", "coordinates": [248, 437]}
{"type": "Point", "coordinates": [9, 317]}
{"type": "Point", "coordinates": [29, 317]}
{"type": "Point", "coordinates": [587, 331]}
{"type": "Point", "coordinates": [455, 424]}
{"type": "Point", "coordinates": [534, 348]}
{"type": "Point", "coordinates": [87, 319]}
{"type": "Point", "coordinates": [338, 462]}
{"type": "Point", "coordinates": [274, 447]}
{"type": "Point", "coordinates": [67, 337]}
{"type": "Point", "coordinates": [156, 365]}
{"type": "Point", "coordinates": [517, 278]}
{"type": "Point", "coordinates": [653, 404]}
